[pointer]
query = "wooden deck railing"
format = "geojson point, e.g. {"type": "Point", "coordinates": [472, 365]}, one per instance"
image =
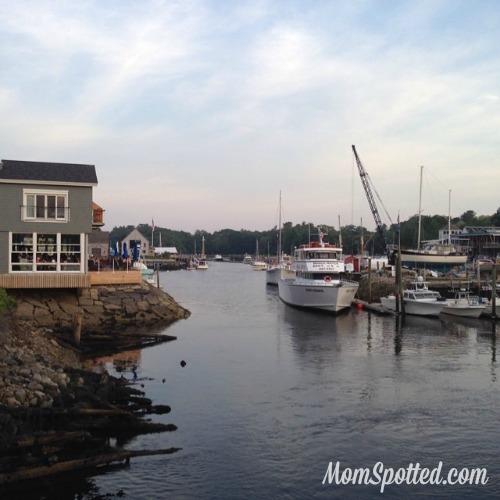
{"type": "Point", "coordinates": [69, 280]}
{"type": "Point", "coordinates": [115, 277]}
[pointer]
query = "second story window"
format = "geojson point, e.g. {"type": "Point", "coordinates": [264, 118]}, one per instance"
{"type": "Point", "coordinates": [45, 205]}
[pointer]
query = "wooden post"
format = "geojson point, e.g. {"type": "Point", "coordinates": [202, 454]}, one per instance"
{"type": "Point", "coordinates": [157, 275]}
{"type": "Point", "coordinates": [369, 280]}
{"type": "Point", "coordinates": [77, 327]}
{"type": "Point", "coordinates": [400, 303]}
{"type": "Point", "coordinates": [494, 291]}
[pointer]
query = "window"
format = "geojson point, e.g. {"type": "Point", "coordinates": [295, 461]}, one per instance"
{"type": "Point", "coordinates": [35, 252]}
{"type": "Point", "coordinates": [46, 205]}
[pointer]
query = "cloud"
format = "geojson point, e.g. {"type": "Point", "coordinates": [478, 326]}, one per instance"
{"type": "Point", "coordinates": [223, 104]}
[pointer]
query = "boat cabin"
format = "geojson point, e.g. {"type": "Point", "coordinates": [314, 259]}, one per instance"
{"type": "Point", "coordinates": [315, 251]}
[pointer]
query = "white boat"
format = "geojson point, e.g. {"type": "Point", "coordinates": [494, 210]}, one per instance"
{"type": "Point", "coordinates": [201, 263]}
{"type": "Point", "coordinates": [218, 257]}
{"type": "Point", "coordinates": [317, 279]}
{"type": "Point", "coordinates": [464, 305]}
{"type": "Point", "coordinates": [247, 259]}
{"type": "Point", "coordinates": [418, 300]}
{"type": "Point", "coordinates": [152, 280]}
{"type": "Point", "coordinates": [258, 264]}
{"type": "Point", "coordinates": [273, 270]}
{"type": "Point", "coordinates": [439, 255]}
{"type": "Point", "coordinates": [488, 303]}
{"type": "Point", "coordinates": [140, 266]}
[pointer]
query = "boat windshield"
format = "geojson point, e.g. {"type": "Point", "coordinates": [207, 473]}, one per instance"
{"type": "Point", "coordinates": [315, 255]}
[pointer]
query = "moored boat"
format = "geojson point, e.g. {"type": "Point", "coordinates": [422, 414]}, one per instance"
{"type": "Point", "coordinates": [489, 311]}
{"type": "Point", "coordinates": [418, 300]}
{"type": "Point", "coordinates": [317, 279]}
{"type": "Point", "coordinates": [201, 263]}
{"type": "Point", "coordinates": [259, 265]}
{"type": "Point", "coordinates": [464, 305]}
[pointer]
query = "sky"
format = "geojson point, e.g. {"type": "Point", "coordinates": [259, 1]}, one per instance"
{"type": "Point", "coordinates": [198, 114]}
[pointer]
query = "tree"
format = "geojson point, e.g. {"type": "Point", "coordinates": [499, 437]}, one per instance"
{"type": "Point", "coordinates": [469, 218]}
{"type": "Point", "coordinates": [495, 218]}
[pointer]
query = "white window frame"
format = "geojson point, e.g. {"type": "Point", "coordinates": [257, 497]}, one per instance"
{"type": "Point", "coordinates": [64, 254]}
{"type": "Point", "coordinates": [45, 192]}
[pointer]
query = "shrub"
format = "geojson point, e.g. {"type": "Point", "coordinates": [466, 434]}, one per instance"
{"type": "Point", "coordinates": [6, 302]}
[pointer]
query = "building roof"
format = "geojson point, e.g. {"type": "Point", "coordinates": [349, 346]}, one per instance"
{"type": "Point", "coordinates": [160, 250]}
{"type": "Point", "coordinates": [99, 237]}
{"type": "Point", "coordinates": [47, 172]}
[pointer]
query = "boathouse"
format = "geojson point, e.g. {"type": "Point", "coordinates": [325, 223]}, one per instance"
{"type": "Point", "coordinates": [134, 239]}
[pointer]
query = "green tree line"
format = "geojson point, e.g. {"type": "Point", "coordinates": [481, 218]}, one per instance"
{"type": "Point", "coordinates": [239, 242]}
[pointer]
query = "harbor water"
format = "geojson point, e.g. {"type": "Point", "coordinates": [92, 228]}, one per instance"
{"type": "Point", "coordinates": [270, 396]}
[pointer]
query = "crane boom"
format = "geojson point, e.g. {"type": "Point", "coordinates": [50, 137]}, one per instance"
{"type": "Point", "coordinates": [368, 191]}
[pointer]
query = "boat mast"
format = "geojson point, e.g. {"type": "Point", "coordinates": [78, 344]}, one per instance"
{"type": "Point", "coordinates": [420, 209]}
{"type": "Point", "coordinates": [340, 235]}
{"type": "Point", "coordinates": [280, 253]}
{"type": "Point", "coordinates": [449, 217]}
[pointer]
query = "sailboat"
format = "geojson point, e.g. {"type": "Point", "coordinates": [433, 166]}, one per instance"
{"type": "Point", "coordinates": [258, 264]}
{"type": "Point", "coordinates": [273, 270]}
{"type": "Point", "coordinates": [201, 263]}
{"type": "Point", "coordinates": [439, 255]}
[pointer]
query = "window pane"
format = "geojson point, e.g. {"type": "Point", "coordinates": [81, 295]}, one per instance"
{"type": "Point", "coordinates": [21, 254]}
{"type": "Point", "coordinates": [60, 207]}
{"type": "Point", "coordinates": [30, 206]}
{"type": "Point", "coordinates": [40, 206]}
{"type": "Point", "coordinates": [70, 252]}
{"type": "Point", "coordinates": [51, 207]}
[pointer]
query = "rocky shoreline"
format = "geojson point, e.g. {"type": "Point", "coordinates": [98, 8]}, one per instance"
{"type": "Point", "coordinates": [56, 416]}
{"type": "Point", "coordinates": [101, 308]}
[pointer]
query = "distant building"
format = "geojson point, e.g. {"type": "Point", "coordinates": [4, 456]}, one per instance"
{"type": "Point", "coordinates": [135, 237]}
{"type": "Point", "coordinates": [483, 241]}
{"type": "Point", "coordinates": [162, 250]}
{"type": "Point", "coordinates": [98, 247]}
{"type": "Point", "coordinates": [444, 232]}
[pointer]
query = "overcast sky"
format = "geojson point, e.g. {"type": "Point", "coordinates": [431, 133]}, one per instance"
{"type": "Point", "coordinates": [198, 113]}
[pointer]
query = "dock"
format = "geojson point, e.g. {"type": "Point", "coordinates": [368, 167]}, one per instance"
{"type": "Point", "coordinates": [375, 307]}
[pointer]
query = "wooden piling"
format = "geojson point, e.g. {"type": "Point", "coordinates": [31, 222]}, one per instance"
{"type": "Point", "coordinates": [77, 327]}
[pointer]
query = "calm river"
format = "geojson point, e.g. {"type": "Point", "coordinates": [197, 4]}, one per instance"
{"type": "Point", "coordinates": [270, 396]}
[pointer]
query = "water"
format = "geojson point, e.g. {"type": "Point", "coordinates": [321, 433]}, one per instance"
{"type": "Point", "coordinates": [271, 395]}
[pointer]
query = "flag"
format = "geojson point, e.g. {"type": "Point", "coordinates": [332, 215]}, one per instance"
{"type": "Point", "coordinates": [152, 225]}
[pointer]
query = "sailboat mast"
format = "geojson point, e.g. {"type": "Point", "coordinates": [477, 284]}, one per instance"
{"type": "Point", "coordinates": [449, 217]}
{"type": "Point", "coordinates": [340, 234]}
{"type": "Point", "coordinates": [280, 256]}
{"type": "Point", "coordinates": [420, 209]}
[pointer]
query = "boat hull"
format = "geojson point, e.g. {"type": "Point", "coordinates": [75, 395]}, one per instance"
{"type": "Point", "coordinates": [317, 295]}
{"type": "Point", "coordinates": [424, 260]}
{"type": "Point", "coordinates": [464, 311]}
{"type": "Point", "coordinates": [273, 275]}
{"type": "Point", "coordinates": [417, 308]}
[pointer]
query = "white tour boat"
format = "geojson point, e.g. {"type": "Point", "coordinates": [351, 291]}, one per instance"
{"type": "Point", "coordinates": [317, 279]}
{"type": "Point", "coordinates": [418, 299]}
